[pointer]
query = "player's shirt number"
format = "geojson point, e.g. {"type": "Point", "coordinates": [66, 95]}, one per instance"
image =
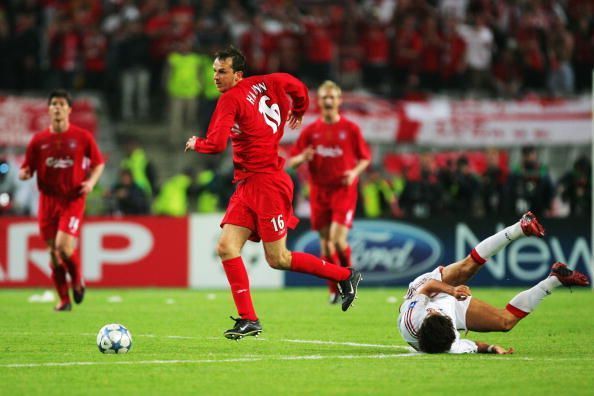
{"type": "Point", "coordinates": [271, 114]}
{"type": "Point", "coordinates": [73, 224]}
{"type": "Point", "coordinates": [278, 223]}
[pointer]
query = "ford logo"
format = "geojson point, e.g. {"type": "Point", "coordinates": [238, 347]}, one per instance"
{"type": "Point", "coordinates": [386, 251]}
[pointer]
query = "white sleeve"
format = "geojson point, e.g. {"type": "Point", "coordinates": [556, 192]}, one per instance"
{"type": "Point", "coordinates": [463, 346]}
{"type": "Point", "coordinates": [412, 314]}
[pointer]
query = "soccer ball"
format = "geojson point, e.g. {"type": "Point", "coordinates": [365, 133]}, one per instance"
{"type": "Point", "coordinates": [114, 338]}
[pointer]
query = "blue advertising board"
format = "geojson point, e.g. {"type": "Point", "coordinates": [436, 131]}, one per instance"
{"type": "Point", "coordinates": [391, 252]}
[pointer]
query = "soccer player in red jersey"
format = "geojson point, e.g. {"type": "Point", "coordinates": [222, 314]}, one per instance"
{"type": "Point", "coordinates": [336, 155]}
{"type": "Point", "coordinates": [253, 111]}
{"type": "Point", "coordinates": [68, 164]}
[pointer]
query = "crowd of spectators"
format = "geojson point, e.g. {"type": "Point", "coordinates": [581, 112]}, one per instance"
{"type": "Point", "coordinates": [137, 53]}
{"type": "Point", "coordinates": [496, 47]}
{"type": "Point", "coordinates": [460, 188]}
{"type": "Point", "coordinates": [457, 188]}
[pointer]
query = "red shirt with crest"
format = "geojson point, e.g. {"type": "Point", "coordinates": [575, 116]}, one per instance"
{"type": "Point", "coordinates": [62, 160]}
{"type": "Point", "coordinates": [338, 147]}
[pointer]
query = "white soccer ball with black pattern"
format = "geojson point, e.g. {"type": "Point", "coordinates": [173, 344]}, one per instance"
{"type": "Point", "coordinates": [114, 338]}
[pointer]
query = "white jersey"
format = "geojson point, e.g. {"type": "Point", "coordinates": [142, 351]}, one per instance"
{"type": "Point", "coordinates": [416, 307]}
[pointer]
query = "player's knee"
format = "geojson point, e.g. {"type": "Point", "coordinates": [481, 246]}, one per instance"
{"type": "Point", "coordinates": [507, 324]}
{"type": "Point", "coordinates": [64, 251]}
{"type": "Point", "coordinates": [341, 245]}
{"type": "Point", "coordinates": [226, 250]}
{"type": "Point", "coordinates": [279, 260]}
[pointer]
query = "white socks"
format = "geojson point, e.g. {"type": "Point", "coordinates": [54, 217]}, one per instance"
{"type": "Point", "coordinates": [526, 301]}
{"type": "Point", "coordinates": [495, 243]}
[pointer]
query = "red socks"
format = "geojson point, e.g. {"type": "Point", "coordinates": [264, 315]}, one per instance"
{"type": "Point", "coordinates": [310, 264]}
{"type": "Point", "coordinates": [72, 264]}
{"type": "Point", "coordinates": [345, 257]}
{"type": "Point", "coordinates": [240, 287]}
{"type": "Point", "coordinates": [59, 279]}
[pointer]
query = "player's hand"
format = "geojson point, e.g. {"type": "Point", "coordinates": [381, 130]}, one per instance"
{"type": "Point", "coordinates": [25, 173]}
{"type": "Point", "coordinates": [308, 153]}
{"type": "Point", "coordinates": [86, 187]}
{"type": "Point", "coordinates": [293, 120]}
{"type": "Point", "coordinates": [191, 143]}
{"type": "Point", "coordinates": [499, 350]}
{"type": "Point", "coordinates": [348, 177]}
{"type": "Point", "coordinates": [461, 292]}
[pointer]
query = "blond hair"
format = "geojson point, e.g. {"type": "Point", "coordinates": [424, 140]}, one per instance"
{"type": "Point", "coordinates": [330, 85]}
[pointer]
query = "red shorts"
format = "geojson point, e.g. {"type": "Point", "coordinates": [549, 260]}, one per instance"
{"type": "Point", "coordinates": [332, 205]}
{"type": "Point", "coordinates": [263, 203]}
{"type": "Point", "coordinates": [60, 214]}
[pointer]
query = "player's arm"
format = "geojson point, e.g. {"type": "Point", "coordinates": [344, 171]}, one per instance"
{"type": "Point", "coordinates": [363, 154]}
{"type": "Point", "coordinates": [433, 287]}
{"type": "Point", "coordinates": [25, 173]}
{"type": "Point", "coordinates": [352, 174]}
{"type": "Point", "coordinates": [302, 151]}
{"type": "Point", "coordinates": [219, 129]}
{"type": "Point", "coordinates": [97, 166]}
{"type": "Point", "coordinates": [87, 185]}
{"type": "Point", "coordinates": [305, 156]}
{"type": "Point", "coordinates": [26, 170]}
{"type": "Point", "coordinates": [483, 347]}
{"type": "Point", "coordinates": [299, 96]}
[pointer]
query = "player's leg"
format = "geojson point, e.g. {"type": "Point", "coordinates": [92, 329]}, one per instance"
{"type": "Point", "coordinates": [461, 271]}
{"type": "Point", "coordinates": [481, 316]}
{"type": "Point", "coordinates": [48, 228]}
{"type": "Point", "coordinates": [343, 205]}
{"type": "Point", "coordinates": [58, 277]}
{"type": "Point", "coordinates": [321, 217]}
{"type": "Point", "coordinates": [338, 237]}
{"type": "Point", "coordinates": [68, 230]}
{"type": "Point", "coordinates": [229, 246]}
{"type": "Point", "coordinates": [328, 253]}
{"type": "Point", "coordinates": [279, 257]}
{"type": "Point", "coordinates": [65, 246]}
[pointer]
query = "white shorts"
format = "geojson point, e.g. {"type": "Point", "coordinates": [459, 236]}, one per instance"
{"type": "Point", "coordinates": [456, 309]}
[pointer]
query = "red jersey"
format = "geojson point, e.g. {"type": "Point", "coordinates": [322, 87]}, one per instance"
{"type": "Point", "coordinates": [254, 113]}
{"type": "Point", "coordinates": [59, 160]}
{"type": "Point", "coordinates": [338, 147]}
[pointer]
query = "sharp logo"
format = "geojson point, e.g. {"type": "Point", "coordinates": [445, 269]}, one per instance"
{"type": "Point", "coordinates": [386, 251]}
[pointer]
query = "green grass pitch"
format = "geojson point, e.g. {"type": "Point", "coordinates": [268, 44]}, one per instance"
{"type": "Point", "coordinates": [307, 348]}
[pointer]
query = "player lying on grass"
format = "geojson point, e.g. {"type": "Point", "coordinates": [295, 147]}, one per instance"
{"type": "Point", "coordinates": [438, 303]}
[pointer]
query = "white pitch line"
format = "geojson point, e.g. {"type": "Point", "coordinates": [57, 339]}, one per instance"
{"type": "Point", "coordinates": [203, 361]}
{"type": "Point", "coordinates": [353, 344]}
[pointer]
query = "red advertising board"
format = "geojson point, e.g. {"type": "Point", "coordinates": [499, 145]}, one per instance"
{"type": "Point", "coordinates": [143, 251]}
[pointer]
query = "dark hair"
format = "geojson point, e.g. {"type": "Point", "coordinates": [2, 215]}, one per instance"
{"type": "Point", "coordinates": [436, 334]}
{"type": "Point", "coordinates": [237, 58]}
{"type": "Point", "coordinates": [60, 93]}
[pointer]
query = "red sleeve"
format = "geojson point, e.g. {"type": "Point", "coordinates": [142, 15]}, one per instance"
{"type": "Point", "coordinates": [361, 147]}
{"type": "Point", "coordinates": [295, 89]}
{"type": "Point", "coordinates": [301, 143]}
{"type": "Point", "coordinates": [30, 159]}
{"type": "Point", "coordinates": [93, 152]}
{"type": "Point", "coordinates": [220, 126]}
